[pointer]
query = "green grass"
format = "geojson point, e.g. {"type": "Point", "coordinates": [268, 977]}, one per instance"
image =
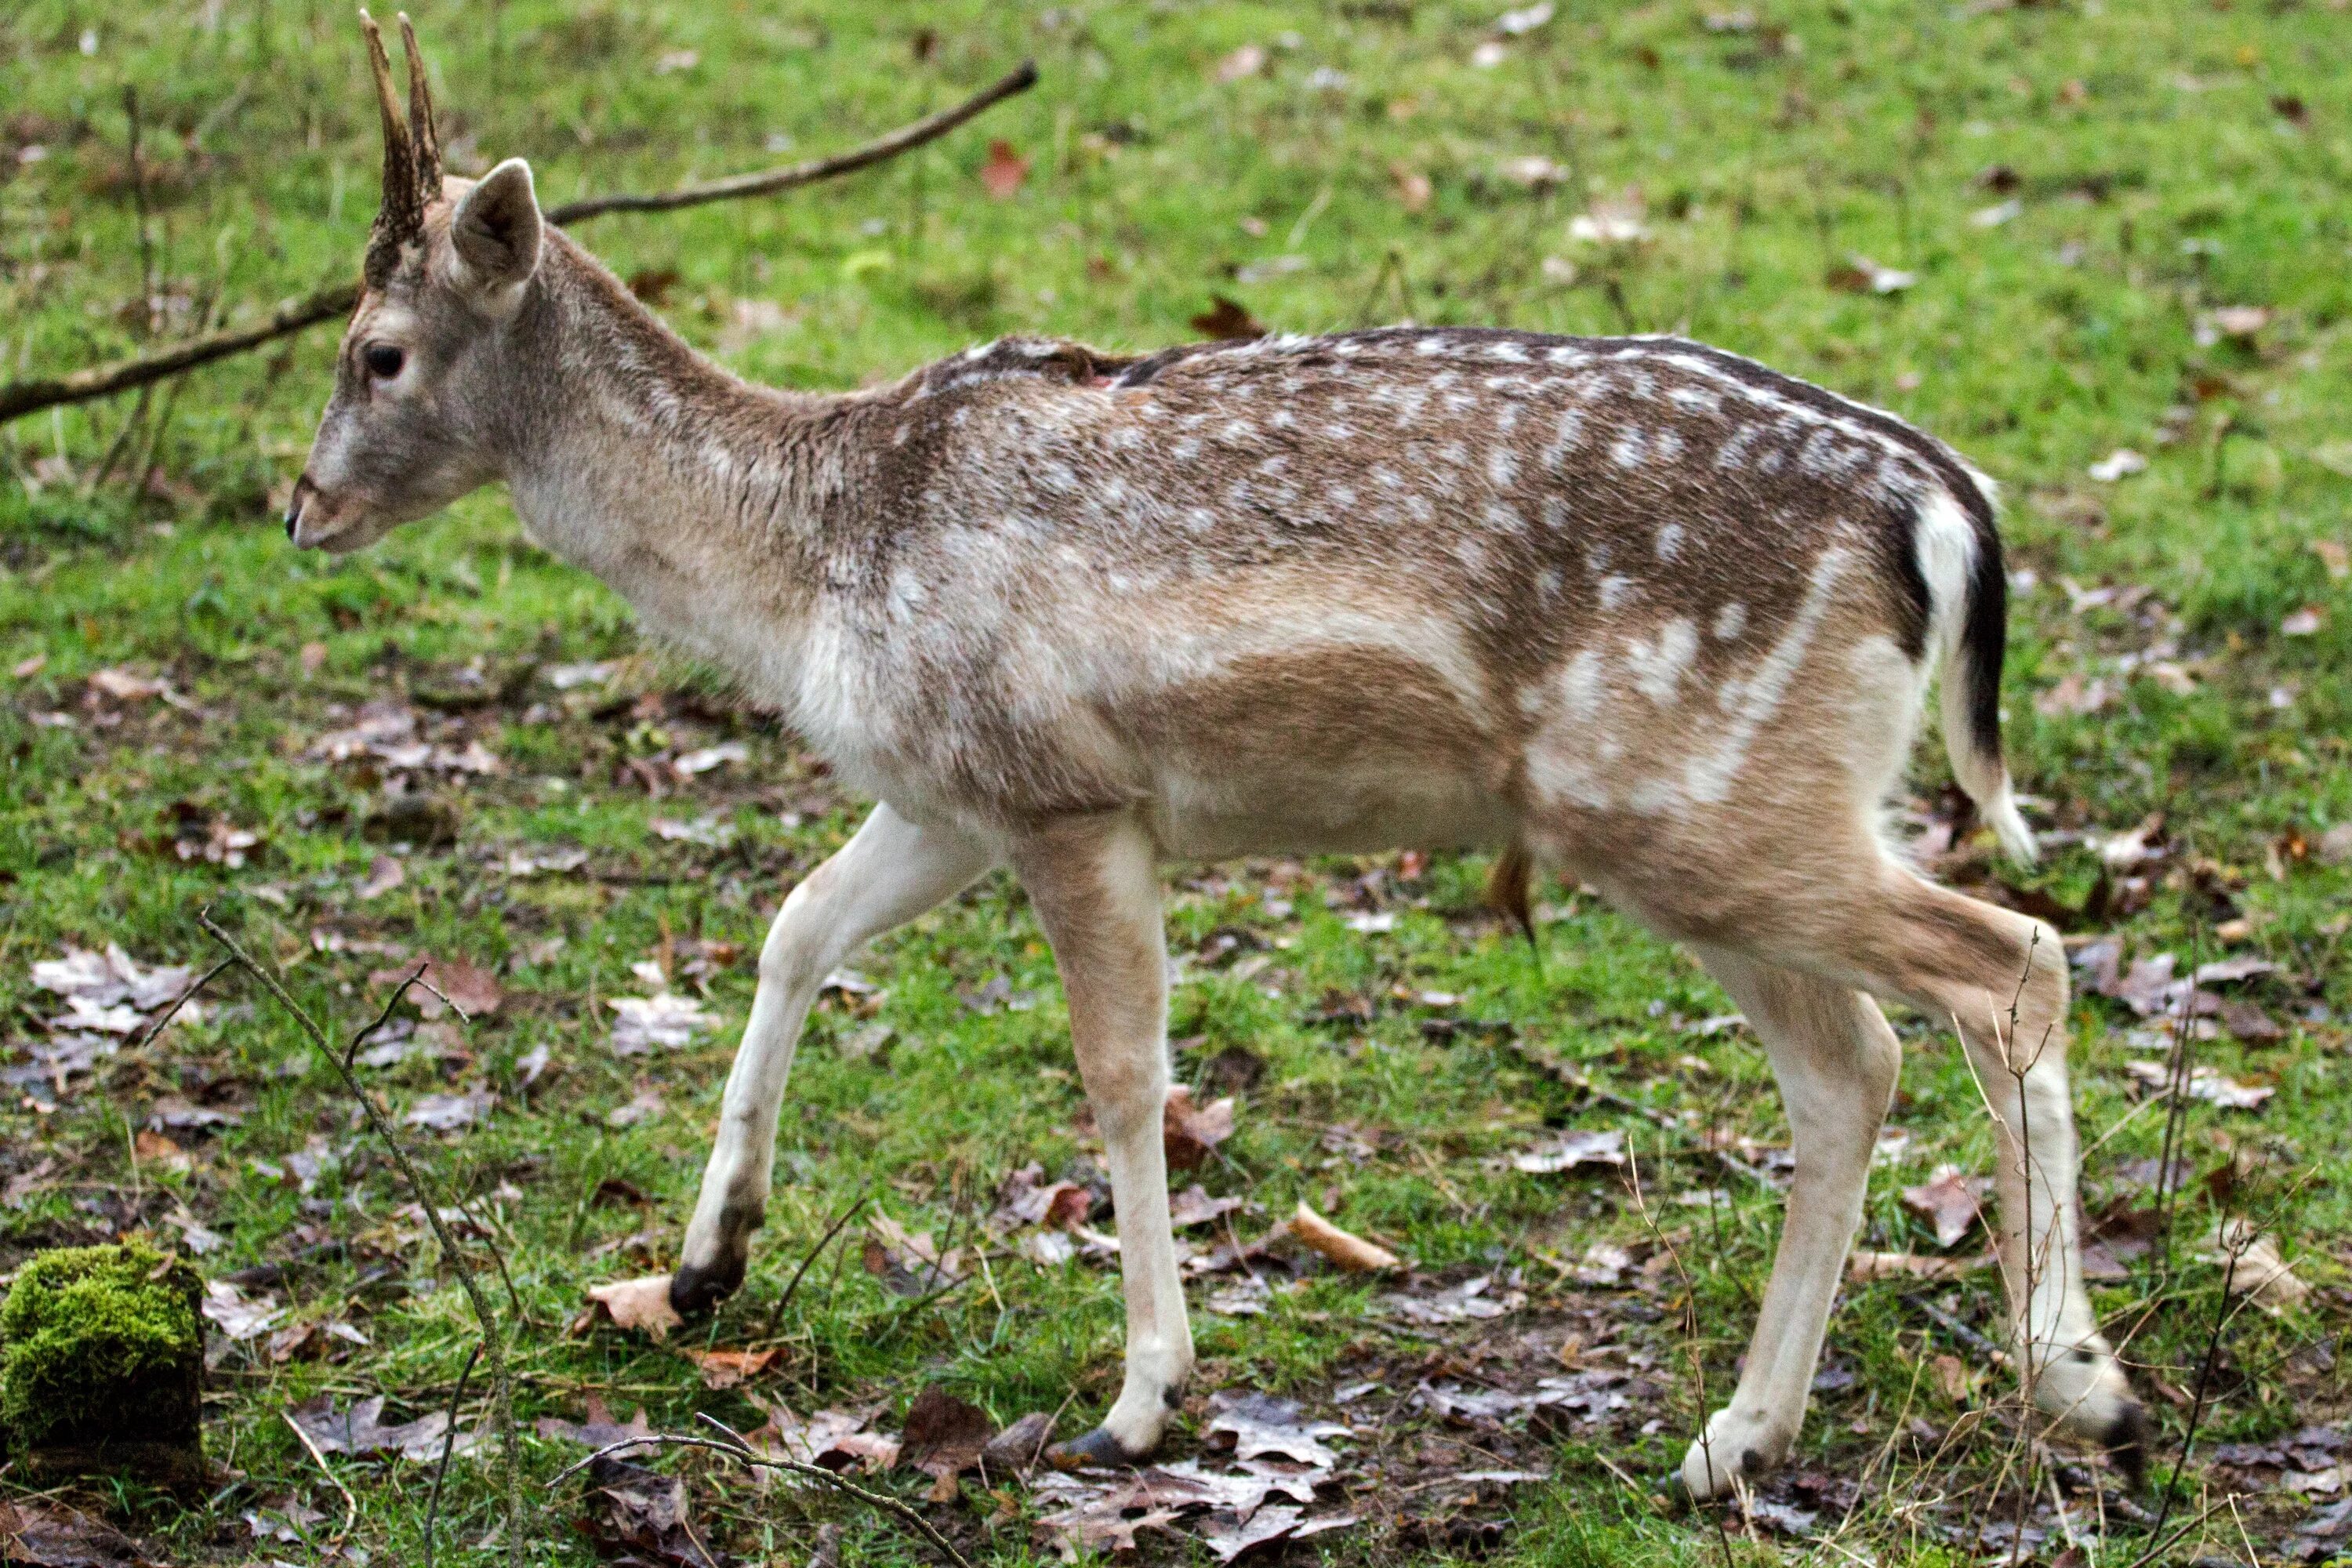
{"type": "Point", "coordinates": [2159, 175]}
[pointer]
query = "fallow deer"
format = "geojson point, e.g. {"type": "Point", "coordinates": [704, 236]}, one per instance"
{"type": "Point", "coordinates": [1645, 612]}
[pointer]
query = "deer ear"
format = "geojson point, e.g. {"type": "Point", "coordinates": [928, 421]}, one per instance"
{"type": "Point", "coordinates": [496, 231]}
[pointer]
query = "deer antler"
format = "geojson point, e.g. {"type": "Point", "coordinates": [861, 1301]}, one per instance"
{"type": "Point", "coordinates": [427, 140]}
{"type": "Point", "coordinates": [402, 217]}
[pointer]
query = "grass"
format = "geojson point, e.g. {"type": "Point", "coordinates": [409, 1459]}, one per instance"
{"type": "Point", "coordinates": [2165, 161]}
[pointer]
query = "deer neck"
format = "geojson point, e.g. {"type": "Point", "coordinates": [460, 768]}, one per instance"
{"type": "Point", "coordinates": [692, 493]}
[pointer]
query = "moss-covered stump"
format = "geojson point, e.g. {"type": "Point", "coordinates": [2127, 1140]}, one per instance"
{"type": "Point", "coordinates": [101, 1364]}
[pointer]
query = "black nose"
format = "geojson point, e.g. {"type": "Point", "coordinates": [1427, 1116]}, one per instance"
{"type": "Point", "coordinates": [303, 488]}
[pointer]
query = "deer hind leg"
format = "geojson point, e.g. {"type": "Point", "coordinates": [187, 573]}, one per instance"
{"type": "Point", "coordinates": [2001, 978]}
{"type": "Point", "coordinates": [1835, 1060]}
{"type": "Point", "coordinates": [890, 871]}
{"type": "Point", "coordinates": [1096, 888]}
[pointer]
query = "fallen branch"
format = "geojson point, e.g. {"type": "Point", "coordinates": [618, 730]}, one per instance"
{"type": "Point", "coordinates": [427, 1199]}
{"type": "Point", "coordinates": [20, 398]}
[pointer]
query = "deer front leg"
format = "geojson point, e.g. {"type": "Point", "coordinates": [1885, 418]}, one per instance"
{"type": "Point", "coordinates": [890, 871]}
{"type": "Point", "coordinates": [1836, 1061]}
{"type": "Point", "coordinates": [1096, 889]}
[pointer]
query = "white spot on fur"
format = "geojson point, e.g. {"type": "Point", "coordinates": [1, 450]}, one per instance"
{"type": "Point", "coordinates": [1658, 666]}
{"type": "Point", "coordinates": [1502, 467]}
{"type": "Point", "coordinates": [1669, 541]}
{"type": "Point", "coordinates": [1731, 621]}
{"type": "Point", "coordinates": [1615, 590]}
{"type": "Point", "coordinates": [1626, 451]}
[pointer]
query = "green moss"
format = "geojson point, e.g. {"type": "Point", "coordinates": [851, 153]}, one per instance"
{"type": "Point", "coordinates": [101, 1345]}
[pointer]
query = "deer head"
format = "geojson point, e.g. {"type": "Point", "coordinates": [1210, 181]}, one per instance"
{"type": "Point", "coordinates": [413, 420]}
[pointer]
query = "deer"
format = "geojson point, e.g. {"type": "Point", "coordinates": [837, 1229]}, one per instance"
{"type": "Point", "coordinates": [1631, 610]}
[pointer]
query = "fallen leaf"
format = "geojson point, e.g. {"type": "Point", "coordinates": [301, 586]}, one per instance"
{"type": "Point", "coordinates": [2119, 464]}
{"type": "Point", "coordinates": [1470, 1302]}
{"type": "Point", "coordinates": [362, 1432]}
{"type": "Point", "coordinates": [663, 1020]}
{"type": "Point", "coordinates": [642, 1303]}
{"type": "Point", "coordinates": [450, 1112]}
{"type": "Point", "coordinates": [1412, 187]}
{"type": "Point", "coordinates": [1949, 1201]}
{"type": "Point", "coordinates": [2303, 622]}
{"type": "Point", "coordinates": [2208, 1084]}
{"type": "Point", "coordinates": [111, 979]}
{"type": "Point", "coordinates": [1245, 61]}
{"type": "Point", "coordinates": [1227, 319]}
{"type": "Point", "coordinates": [1256, 1425]}
{"type": "Point", "coordinates": [1190, 1133]}
{"type": "Point", "coordinates": [2334, 557]}
{"type": "Point", "coordinates": [943, 1438]}
{"type": "Point", "coordinates": [1351, 1253]}
{"type": "Point", "coordinates": [43, 1534]}
{"type": "Point", "coordinates": [598, 1431]}
{"type": "Point", "coordinates": [1604, 1146]}
{"type": "Point", "coordinates": [2254, 1267]}
{"type": "Point", "coordinates": [641, 1517]}
{"type": "Point", "coordinates": [907, 1263]}
{"type": "Point", "coordinates": [830, 1439]}
{"type": "Point", "coordinates": [234, 1315]}
{"type": "Point", "coordinates": [1864, 1264]}
{"type": "Point", "coordinates": [1002, 173]}
{"type": "Point", "coordinates": [1194, 1205]}
{"type": "Point", "coordinates": [726, 1369]}
{"type": "Point", "coordinates": [384, 874]}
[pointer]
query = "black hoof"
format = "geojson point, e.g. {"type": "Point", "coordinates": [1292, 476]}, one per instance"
{"type": "Point", "coordinates": [2126, 1440]}
{"type": "Point", "coordinates": [1097, 1449]}
{"type": "Point", "coordinates": [693, 1293]}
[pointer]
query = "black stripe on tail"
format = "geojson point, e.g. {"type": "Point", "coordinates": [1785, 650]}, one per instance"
{"type": "Point", "coordinates": [1984, 635]}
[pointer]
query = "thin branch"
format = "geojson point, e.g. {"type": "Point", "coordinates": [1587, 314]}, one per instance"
{"type": "Point", "coordinates": [22, 398]}
{"type": "Point", "coordinates": [350, 1503]}
{"type": "Point", "coordinates": [767, 181]}
{"type": "Point", "coordinates": [741, 1450]}
{"type": "Point", "coordinates": [448, 1443]}
{"type": "Point", "coordinates": [776, 1313]}
{"type": "Point", "coordinates": [182, 1000]}
{"type": "Point", "coordinates": [502, 1387]}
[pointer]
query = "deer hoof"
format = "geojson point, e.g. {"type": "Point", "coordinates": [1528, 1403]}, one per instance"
{"type": "Point", "coordinates": [1097, 1449]}
{"type": "Point", "coordinates": [695, 1291]}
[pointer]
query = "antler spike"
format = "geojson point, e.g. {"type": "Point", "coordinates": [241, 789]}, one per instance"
{"type": "Point", "coordinates": [421, 131]}
{"type": "Point", "coordinates": [401, 216]}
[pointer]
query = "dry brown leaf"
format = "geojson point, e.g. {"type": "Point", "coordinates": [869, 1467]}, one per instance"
{"type": "Point", "coordinates": [1004, 172]}
{"type": "Point", "coordinates": [642, 1303]}
{"type": "Point", "coordinates": [1191, 1133]}
{"type": "Point", "coordinates": [724, 1369]}
{"type": "Point", "coordinates": [944, 1437]}
{"type": "Point", "coordinates": [1227, 319]}
{"type": "Point", "coordinates": [1350, 1252]}
{"type": "Point", "coordinates": [1412, 187]}
{"type": "Point", "coordinates": [2254, 1267]}
{"type": "Point", "coordinates": [1949, 1201]}
{"type": "Point", "coordinates": [1864, 1264]}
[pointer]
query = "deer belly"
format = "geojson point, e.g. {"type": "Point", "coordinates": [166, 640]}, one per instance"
{"type": "Point", "coordinates": [1362, 809]}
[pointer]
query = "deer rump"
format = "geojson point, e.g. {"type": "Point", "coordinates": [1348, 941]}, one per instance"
{"type": "Point", "coordinates": [1398, 587]}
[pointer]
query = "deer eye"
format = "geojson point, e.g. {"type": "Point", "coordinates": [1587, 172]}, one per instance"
{"type": "Point", "coordinates": [382, 360]}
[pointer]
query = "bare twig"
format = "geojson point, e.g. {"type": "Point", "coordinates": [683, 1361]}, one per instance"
{"type": "Point", "coordinates": [2222, 1316]}
{"type": "Point", "coordinates": [502, 1388]}
{"type": "Point", "coordinates": [741, 1450]}
{"type": "Point", "coordinates": [448, 1441]}
{"type": "Point", "coordinates": [22, 398]}
{"type": "Point", "coordinates": [768, 181]}
{"type": "Point", "coordinates": [350, 1503]}
{"type": "Point", "coordinates": [776, 1313]}
{"type": "Point", "coordinates": [182, 1000]}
